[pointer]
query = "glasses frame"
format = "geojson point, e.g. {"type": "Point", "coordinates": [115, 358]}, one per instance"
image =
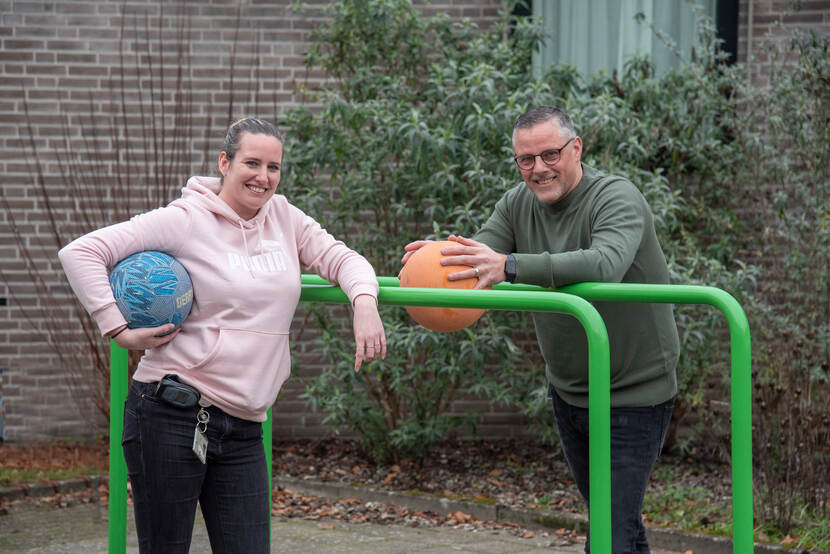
{"type": "Point", "coordinates": [552, 151]}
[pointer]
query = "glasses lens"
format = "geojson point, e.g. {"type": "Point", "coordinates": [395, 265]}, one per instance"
{"type": "Point", "coordinates": [550, 157]}
{"type": "Point", "coordinates": [526, 162]}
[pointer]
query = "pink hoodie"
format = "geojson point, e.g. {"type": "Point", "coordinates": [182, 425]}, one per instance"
{"type": "Point", "coordinates": [233, 346]}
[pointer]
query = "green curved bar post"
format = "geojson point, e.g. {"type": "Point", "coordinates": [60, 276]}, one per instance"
{"type": "Point", "coordinates": [740, 373]}
{"type": "Point", "coordinates": [317, 289]}
{"type": "Point", "coordinates": [741, 379]}
{"type": "Point", "coordinates": [118, 467]}
{"type": "Point", "coordinates": [268, 444]}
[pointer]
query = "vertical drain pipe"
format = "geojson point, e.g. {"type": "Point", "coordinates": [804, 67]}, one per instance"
{"type": "Point", "coordinates": [750, 19]}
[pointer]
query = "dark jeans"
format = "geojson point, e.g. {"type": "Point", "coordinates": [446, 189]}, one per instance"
{"type": "Point", "coordinates": [637, 436]}
{"type": "Point", "coordinates": [168, 479]}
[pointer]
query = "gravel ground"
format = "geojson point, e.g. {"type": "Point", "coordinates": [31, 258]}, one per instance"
{"type": "Point", "coordinates": [288, 504]}
{"type": "Point", "coordinates": [517, 474]}
{"type": "Point", "coordinates": [512, 473]}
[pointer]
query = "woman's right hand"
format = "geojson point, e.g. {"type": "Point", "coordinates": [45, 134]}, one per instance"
{"type": "Point", "coordinates": [144, 338]}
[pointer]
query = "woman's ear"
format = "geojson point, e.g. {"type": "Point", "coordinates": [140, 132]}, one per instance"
{"type": "Point", "coordinates": [223, 163]}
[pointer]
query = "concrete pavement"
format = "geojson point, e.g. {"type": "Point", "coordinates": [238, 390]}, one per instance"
{"type": "Point", "coordinates": [82, 529]}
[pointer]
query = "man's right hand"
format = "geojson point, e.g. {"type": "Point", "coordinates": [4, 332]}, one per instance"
{"type": "Point", "coordinates": [411, 248]}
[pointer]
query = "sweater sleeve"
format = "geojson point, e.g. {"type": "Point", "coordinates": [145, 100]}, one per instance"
{"type": "Point", "coordinates": [331, 259]}
{"type": "Point", "coordinates": [88, 259]}
{"type": "Point", "coordinates": [598, 243]}
{"type": "Point", "coordinates": [497, 232]}
{"type": "Point", "coordinates": [617, 220]}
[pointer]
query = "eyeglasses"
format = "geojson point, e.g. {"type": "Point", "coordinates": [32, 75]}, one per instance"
{"type": "Point", "coordinates": [550, 157]}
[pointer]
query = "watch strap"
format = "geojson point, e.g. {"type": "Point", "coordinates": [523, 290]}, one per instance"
{"type": "Point", "coordinates": [510, 268]}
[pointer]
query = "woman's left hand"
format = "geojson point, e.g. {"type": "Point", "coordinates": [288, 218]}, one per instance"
{"type": "Point", "coordinates": [369, 336]}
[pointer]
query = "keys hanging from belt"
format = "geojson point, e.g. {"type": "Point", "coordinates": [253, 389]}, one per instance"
{"type": "Point", "coordinates": [200, 440]}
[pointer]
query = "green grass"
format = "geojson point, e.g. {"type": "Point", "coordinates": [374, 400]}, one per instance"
{"type": "Point", "coordinates": [689, 508]}
{"type": "Point", "coordinates": [812, 532]}
{"type": "Point", "coordinates": [13, 477]}
{"type": "Point", "coordinates": [698, 509]}
{"type": "Point", "coordinates": [545, 500]}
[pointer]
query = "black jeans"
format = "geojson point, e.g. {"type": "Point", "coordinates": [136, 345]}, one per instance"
{"type": "Point", "coordinates": [637, 436]}
{"type": "Point", "coordinates": [167, 478]}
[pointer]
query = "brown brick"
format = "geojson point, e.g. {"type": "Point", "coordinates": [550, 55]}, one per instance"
{"type": "Point", "coordinates": [19, 57]}
{"type": "Point", "coordinates": [44, 22]}
{"type": "Point", "coordinates": [64, 45]}
{"type": "Point", "coordinates": [69, 51]}
{"type": "Point", "coordinates": [77, 57]}
{"type": "Point", "coordinates": [16, 44]}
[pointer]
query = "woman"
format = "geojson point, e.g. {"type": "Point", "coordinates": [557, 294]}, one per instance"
{"type": "Point", "coordinates": [243, 247]}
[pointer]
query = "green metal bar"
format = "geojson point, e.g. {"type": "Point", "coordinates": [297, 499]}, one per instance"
{"type": "Point", "coordinates": [599, 394]}
{"type": "Point", "coordinates": [741, 378]}
{"type": "Point", "coordinates": [317, 289]}
{"type": "Point", "coordinates": [268, 443]}
{"type": "Point", "coordinates": [741, 371]}
{"type": "Point", "coordinates": [118, 467]}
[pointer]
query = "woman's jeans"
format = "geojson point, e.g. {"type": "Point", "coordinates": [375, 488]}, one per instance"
{"type": "Point", "coordinates": [637, 436]}
{"type": "Point", "coordinates": [167, 478]}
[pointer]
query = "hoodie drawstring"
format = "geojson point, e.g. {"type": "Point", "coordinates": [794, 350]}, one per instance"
{"type": "Point", "coordinates": [259, 235]}
{"type": "Point", "coordinates": [247, 252]}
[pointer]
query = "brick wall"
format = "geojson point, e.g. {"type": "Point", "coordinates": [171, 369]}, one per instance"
{"type": "Point", "coordinates": [61, 60]}
{"type": "Point", "coordinates": [765, 24]}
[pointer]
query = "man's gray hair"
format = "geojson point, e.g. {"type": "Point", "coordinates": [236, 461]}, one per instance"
{"type": "Point", "coordinates": [541, 114]}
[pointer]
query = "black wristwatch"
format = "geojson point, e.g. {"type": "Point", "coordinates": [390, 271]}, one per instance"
{"type": "Point", "coordinates": [510, 269]}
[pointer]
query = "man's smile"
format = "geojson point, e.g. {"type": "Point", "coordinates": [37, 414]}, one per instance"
{"type": "Point", "coordinates": [546, 180]}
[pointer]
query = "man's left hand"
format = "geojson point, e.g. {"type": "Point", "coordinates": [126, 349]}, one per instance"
{"type": "Point", "coordinates": [485, 263]}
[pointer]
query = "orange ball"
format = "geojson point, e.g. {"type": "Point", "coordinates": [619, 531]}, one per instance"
{"type": "Point", "coordinates": [424, 269]}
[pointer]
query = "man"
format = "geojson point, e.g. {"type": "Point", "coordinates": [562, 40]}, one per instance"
{"type": "Point", "coordinates": [570, 223]}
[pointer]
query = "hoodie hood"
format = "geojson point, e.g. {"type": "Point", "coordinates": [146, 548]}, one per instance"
{"type": "Point", "coordinates": [204, 192]}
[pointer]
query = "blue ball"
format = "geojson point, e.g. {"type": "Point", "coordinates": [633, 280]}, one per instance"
{"type": "Point", "coordinates": [151, 289]}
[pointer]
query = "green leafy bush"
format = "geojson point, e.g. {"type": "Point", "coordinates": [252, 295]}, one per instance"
{"type": "Point", "coordinates": [413, 140]}
{"type": "Point", "coordinates": [419, 144]}
{"type": "Point", "coordinates": [750, 168]}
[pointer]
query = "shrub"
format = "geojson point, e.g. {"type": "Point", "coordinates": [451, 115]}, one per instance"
{"type": "Point", "coordinates": [414, 139]}
{"type": "Point", "coordinates": [421, 145]}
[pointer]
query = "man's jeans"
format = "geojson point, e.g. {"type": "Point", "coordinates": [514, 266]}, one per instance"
{"type": "Point", "coordinates": [637, 436]}
{"type": "Point", "coordinates": [167, 478]}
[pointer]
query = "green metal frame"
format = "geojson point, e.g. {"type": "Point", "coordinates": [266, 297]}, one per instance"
{"type": "Point", "coordinates": [571, 300]}
{"type": "Point", "coordinates": [741, 377]}
{"type": "Point", "coordinates": [118, 466]}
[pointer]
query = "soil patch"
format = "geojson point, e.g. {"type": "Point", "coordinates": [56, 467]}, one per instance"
{"type": "Point", "coordinates": [514, 473]}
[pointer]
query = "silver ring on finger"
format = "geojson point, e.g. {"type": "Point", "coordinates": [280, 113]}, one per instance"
{"type": "Point", "coordinates": [476, 270]}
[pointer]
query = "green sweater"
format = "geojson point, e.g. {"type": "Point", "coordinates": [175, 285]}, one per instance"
{"type": "Point", "coordinates": [602, 231]}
